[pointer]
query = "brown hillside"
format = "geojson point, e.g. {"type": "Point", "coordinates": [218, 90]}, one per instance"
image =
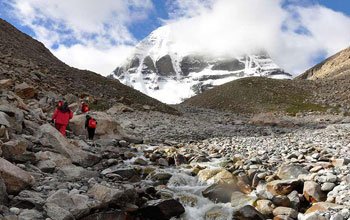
{"type": "Point", "coordinates": [258, 94]}
{"type": "Point", "coordinates": [25, 59]}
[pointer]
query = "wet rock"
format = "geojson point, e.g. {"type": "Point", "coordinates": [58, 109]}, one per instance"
{"type": "Point", "coordinates": [239, 199]}
{"type": "Point", "coordinates": [163, 162]}
{"type": "Point", "coordinates": [180, 159]}
{"type": "Point", "coordinates": [188, 200]}
{"type": "Point", "coordinates": [25, 91]}
{"type": "Point", "coordinates": [291, 171]}
{"type": "Point", "coordinates": [125, 172]}
{"type": "Point", "coordinates": [140, 161]}
{"type": "Point", "coordinates": [265, 207]}
{"type": "Point", "coordinates": [160, 177]}
{"type": "Point", "coordinates": [113, 196]}
{"type": "Point", "coordinates": [286, 212]}
{"type": "Point", "coordinates": [247, 212]}
{"type": "Point", "coordinates": [312, 192]}
{"type": "Point", "coordinates": [161, 209]}
{"type": "Point", "coordinates": [14, 177]}
{"type": "Point", "coordinates": [283, 187]}
{"type": "Point", "coordinates": [220, 192]}
{"type": "Point", "coordinates": [217, 213]}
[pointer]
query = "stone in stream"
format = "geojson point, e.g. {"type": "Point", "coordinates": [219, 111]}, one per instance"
{"type": "Point", "coordinates": [284, 187]}
{"type": "Point", "coordinates": [285, 211]}
{"type": "Point", "coordinates": [220, 192]}
{"type": "Point", "coordinates": [312, 192]}
{"type": "Point", "coordinates": [239, 199]}
{"type": "Point", "coordinates": [265, 207]}
{"type": "Point", "coordinates": [160, 209]}
{"type": "Point", "coordinates": [217, 212]}
{"type": "Point", "coordinates": [291, 171]}
{"type": "Point", "coordinates": [247, 212]}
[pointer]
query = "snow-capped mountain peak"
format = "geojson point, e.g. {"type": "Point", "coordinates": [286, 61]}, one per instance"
{"type": "Point", "coordinates": [160, 68]}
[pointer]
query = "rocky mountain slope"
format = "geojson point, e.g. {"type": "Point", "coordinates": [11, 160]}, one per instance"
{"type": "Point", "coordinates": [24, 59]}
{"type": "Point", "coordinates": [334, 67]}
{"type": "Point", "coordinates": [160, 68]}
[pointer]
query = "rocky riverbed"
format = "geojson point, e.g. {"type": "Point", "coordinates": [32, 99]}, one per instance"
{"type": "Point", "coordinates": [148, 165]}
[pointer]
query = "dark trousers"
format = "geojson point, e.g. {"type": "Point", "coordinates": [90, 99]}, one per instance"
{"type": "Point", "coordinates": [91, 132]}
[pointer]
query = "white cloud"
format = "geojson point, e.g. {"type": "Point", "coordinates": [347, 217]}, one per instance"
{"type": "Point", "coordinates": [294, 35]}
{"type": "Point", "coordinates": [101, 61]}
{"type": "Point", "coordinates": [89, 34]}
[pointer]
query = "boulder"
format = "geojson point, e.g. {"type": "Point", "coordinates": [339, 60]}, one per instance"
{"type": "Point", "coordinates": [313, 193]}
{"type": "Point", "coordinates": [265, 207]}
{"type": "Point", "coordinates": [25, 197]}
{"type": "Point", "coordinates": [161, 209]}
{"type": "Point", "coordinates": [286, 211]}
{"type": "Point", "coordinates": [25, 91]}
{"type": "Point", "coordinates": [49, 161]}
{"type": "Point", "coordinates": [220, 192]}
{"type": "Point", "coordinates": [106, 125]}
{"type": "Point", "coordinates": [4, 119]}
{"type": "Point", "coordinates": [239, 199]}
{"type": "Point", "coordinates": [73, 173]}
{"type": "Point", "coordinates": [247, 212]}
{"type": "Point", "coordinates": [55, 212]}
{"type": "Point", "coordinates": [15, 118]}
{"type": "Point", "coordinates": [291, 171]}
{"type": "Point", "coordinates": [76, 204]}
{"type": "Point", "coordinates": [118, 108]}
{"type": "Point", "coordinates": [51, 137]}
{"type": "Point", "coordinates": [113, 196]}
{"type": "Point", "coordinates": [217, 213]}
{"type": "Point", "coordinates": [125, 172]}
{"type": "Point", "coordinates": [283, 187]}
{"type": "Point", "coordinates": [14, 177]}
{"type": "Point", "coordinates": [12, 150]}
{"type": "Point", "coordinates": [30, 214]}
{"type": "Point", "coordinates": [323, 207]}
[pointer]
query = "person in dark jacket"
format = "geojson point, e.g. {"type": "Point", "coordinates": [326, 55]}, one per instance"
{"type": "Point", "coordinates": [90, 125]}
{"type": "Point", "coordinates": [61, 118]}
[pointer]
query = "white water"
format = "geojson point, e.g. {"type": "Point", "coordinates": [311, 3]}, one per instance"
{"type": "Point", "coordinates": [183, 185]}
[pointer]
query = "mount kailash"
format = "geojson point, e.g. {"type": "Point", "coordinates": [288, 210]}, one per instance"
{"type": "Point", "coordinates": [159, 68]}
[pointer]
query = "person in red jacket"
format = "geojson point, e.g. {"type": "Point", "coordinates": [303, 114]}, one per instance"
{"type": "Point", "coordinates": [84, 107]}
{"type": "Point", "coordinates": [61, 117]}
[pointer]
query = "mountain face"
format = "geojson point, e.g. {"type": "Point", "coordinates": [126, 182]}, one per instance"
{"type": "Point", "coordinates": [335, 66]}
{"type": "Point", "coordinates": [23, 59]}
{"type": "Point", "coordinates": [160, 69]}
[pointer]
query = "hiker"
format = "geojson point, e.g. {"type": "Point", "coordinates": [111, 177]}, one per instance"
{"type": "Point", "coordinates": [61, 118]}
{"type": "Point", "coordinates": [90, 125]}
{"type": "Point", "coordinates": [84, 107]}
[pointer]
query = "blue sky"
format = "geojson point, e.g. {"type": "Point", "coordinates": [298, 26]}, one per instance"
{"type": "Point", "coordinates": [99, 34]}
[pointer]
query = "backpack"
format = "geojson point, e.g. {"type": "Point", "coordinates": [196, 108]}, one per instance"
{"type": "Point", "coordinates": [92, 123]}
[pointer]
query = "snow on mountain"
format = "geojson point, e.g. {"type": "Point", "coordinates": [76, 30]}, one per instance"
{"type": "Point", "coordinates": [162, 69]}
